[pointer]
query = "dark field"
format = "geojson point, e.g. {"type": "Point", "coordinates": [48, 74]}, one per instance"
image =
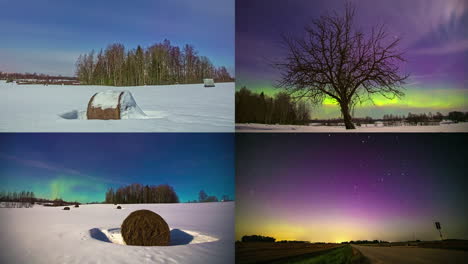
{"type": "Point", "coordinates": [266, 252]}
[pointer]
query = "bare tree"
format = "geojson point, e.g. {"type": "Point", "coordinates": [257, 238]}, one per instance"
{"type": "Point", "coordinates": [333, 60]}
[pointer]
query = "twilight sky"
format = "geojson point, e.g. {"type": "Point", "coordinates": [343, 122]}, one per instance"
{"type": "Point", "coordinates": [341, 187]}
{"type": "Point", "coordinates": [83, 166]}
{"type": "Point", "coordinates": [48, 36]}
{"type": "Point", "coordinates": [434, 36]}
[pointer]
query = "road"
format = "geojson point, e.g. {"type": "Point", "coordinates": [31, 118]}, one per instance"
{"type": "Point", "coordinates": [412, 255]}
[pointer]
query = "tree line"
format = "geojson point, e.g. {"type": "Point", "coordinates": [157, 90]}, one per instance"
{"type": "Point", "coordinates": [137, 193]}
{"type": "Point", "coordinates": [258, 238]}
{"type": "Point", "coordinates": [252, 107]}
{"type": "Point", "coordinates": [161, 63]}
{"type": "Point", "coordinates": [17, 199]}
{"type": "Point", "coordinates": [35, 76]}
{"type": "Point", "coordinates": [411, 118]}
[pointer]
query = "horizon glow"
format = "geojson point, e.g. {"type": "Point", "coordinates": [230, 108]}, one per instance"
{"type": "Point", "coordinates": [342, 187]}
{"type": "Point", "coordinates": [416, 100]}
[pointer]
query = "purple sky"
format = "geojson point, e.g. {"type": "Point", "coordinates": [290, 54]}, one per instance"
{"type": "Point", "coordinates": [434, 37]}
{"type": "Point", "coordinates": [341, 187]}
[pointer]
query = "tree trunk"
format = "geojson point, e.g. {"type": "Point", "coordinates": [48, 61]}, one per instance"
{"type": "Point", "coordinates": [347, 116]}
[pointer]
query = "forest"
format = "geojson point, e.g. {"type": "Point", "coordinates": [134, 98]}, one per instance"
{"type": "Point", "coordinates": [17, 199]}
{"type": "Point", "coordinates": [260, 108]}
{"type": "Point", "coordinates": [137, 193]}
{"type": "Point", "coordinates": [159, 64]}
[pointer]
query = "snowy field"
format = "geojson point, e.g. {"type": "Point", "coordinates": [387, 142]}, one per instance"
{"type": "Point", "coordinates": [200, 233]}
{"type": "Point", "coordinates": [445, 128]}
{"type": "Point", "coordinates": [169, 108]}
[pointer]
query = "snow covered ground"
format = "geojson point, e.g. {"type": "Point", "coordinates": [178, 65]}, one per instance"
{"type": "Point", "coordinates": [459, 127]}
{"type": "Point", "coordinates": [170, 108]}
{"type": "Point", "coordinates": [200, 233]}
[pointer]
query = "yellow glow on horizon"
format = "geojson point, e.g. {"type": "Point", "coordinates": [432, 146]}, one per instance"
{"type": "Point", "coordinates": [331, 229]}
{"type": "Point", "coordinates": [338, 241]}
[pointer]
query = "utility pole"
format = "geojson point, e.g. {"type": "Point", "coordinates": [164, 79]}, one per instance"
{"type": "Point", "coordinates": [437, 224]}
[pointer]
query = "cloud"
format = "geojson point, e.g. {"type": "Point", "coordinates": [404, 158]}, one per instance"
{"type": "Point", "coordinates": [55, 168]}
{"type": "Point", "coordinates": [446, 48]}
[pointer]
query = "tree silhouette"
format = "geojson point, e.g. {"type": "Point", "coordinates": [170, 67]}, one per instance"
{"type": "Point", "coordinates": [202, 196]}
{"type": "Point", "coordinates": [333, 60]}
{"type": "Point", "coordinates": [137, 193]}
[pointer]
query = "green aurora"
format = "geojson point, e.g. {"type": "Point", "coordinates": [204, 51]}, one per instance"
{"type": "Point", "coordinates": [60, 186]}
{"type": "Point", "coordinates": [416, 100]}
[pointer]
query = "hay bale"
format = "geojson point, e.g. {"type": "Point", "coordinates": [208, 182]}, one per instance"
{"type": "Point", "coordinates": [118, 207]}
{"type": "Point", "coordinates": [145, 228]}
{"type": "Point", "coordinates": [104, 105]}
{"type": "Point", "coordinates": [66, 208]}
{"type": "Point", "coordinates": [113, 105]}
{"type": "Point", "coordinates": [77, 206]}
{"type": "Point", "coordinates": [208, 82]}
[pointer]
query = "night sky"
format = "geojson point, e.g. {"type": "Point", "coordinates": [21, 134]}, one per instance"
{"type": "Point", "coordinates": [434, 37]}
{"type": "Point", "coordinates": [341, 187]}
{"type": "Point", "coordinates": [48, 36]}
{"type": "Point", "coordinates": [83, 166]}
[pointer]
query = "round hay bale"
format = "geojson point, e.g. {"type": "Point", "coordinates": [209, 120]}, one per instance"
{"type": "Point", "coordinates": [104, 105]}
{"type": "Point", "coordinates": [113, 105]}
{"type": "Point", "coordinates": [119, 207]}
{"type": "Point", "coordinates": [145, 228]}
{"type": "Point", "coordinates": [76, 205]}
{"type": "Point", "coordinates": [66, 208]}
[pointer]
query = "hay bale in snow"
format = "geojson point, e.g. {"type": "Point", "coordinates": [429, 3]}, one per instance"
{"type": "Point", "coordinates": [113, 105]}
{"type": "Point", "coordinates": [76, 205]}
{"type": "Point", "coordinates": [119, 207]}
{"type": "Point", "coordinates": [66, 208]}
{"type": "Point", "coordinates": [208, 82]}
{"type": "Point", "coordinates": [145, 228]}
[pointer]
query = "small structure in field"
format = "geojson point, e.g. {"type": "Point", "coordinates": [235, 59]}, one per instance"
{"type": "Point", "coordinates": [208, 82]}
{"type": "Point", "coordinates": [113, 105]}
{"type": "Point", "coordinates": [145, 228]}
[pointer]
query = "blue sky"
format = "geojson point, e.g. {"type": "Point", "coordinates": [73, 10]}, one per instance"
{"type": "Point", "coordinates": [48, 36]}
{"type": "Point", "coordinates": [83, 166]}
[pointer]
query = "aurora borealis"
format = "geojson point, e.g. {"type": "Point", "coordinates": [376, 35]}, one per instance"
{"type": "Point", "coordinates": [434, 38]}
{"type": "Point", "coordinates": [81, 167]}
{"type": "Point", "coordinates": [341, 187]}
